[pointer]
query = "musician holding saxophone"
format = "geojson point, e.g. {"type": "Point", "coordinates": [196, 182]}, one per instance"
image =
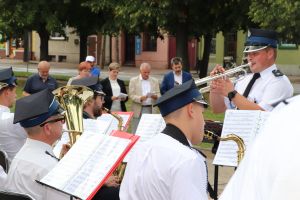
{"type": "Point", "coordinates": [264, 86]}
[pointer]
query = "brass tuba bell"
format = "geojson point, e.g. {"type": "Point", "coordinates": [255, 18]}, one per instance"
{"type": "Point", "coordinates": [72, 98]}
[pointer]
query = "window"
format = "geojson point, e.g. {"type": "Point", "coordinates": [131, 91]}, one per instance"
{"type": "Point", "coordinates": [149, 42]}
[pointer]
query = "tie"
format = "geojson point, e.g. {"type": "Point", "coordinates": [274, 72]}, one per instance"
{"type": "Point", "coordinates": [250, 84]}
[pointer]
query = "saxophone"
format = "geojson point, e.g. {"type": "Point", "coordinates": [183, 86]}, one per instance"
{"type": "Point", "coordinates": [119, 172]}
{"type": "Point", "coordinates": [238, 140]}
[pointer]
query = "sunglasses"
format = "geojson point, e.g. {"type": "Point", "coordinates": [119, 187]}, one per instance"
{"type": "Point", "coordinates": [61, 119]}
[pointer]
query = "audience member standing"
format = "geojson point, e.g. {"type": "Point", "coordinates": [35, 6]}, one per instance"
{"type": "Point", "coordinates": [114, 89]}
{"type": "Point", "coordinates": [84, 70]}
{"type": "Point", "coordinates": [175, 77]}
{"type": "Point", "coordinates": [144, 91]}
{"type": "Point", "coordinates": [95, 70]}
{"type": "Point", "coordinates": [40, 81]}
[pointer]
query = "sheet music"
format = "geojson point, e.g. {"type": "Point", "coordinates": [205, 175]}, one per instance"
{"type": "Point", "coordinates": [244, 123]}
{"type": "Point", "coordinates": [149, 126]}
{"type": "Point", "coordinates": [96, 126]}
{"type": "Point", "coordinates": [86, 164]}
{"type": "Point", "coordinates": [89, 125]}
{"type": "Point", "coordinates": [114, 121]}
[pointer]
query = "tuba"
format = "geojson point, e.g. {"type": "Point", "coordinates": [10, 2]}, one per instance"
{"type": "Point", "coordinates": [238, 140]}
{"type": "Point", "coordinates": [72, 98]}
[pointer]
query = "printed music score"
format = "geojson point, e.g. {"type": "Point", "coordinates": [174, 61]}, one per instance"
{"type": "Point", "coordinates": [126, 116]}
{"type": "Point", "coordinates": [244, 123]}
{"type": "Point", "coordinates": [149, 126]}
{"type": "Point", "coordinates": [88, 164]}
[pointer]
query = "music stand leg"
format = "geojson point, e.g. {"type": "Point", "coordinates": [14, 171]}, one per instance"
{"type": "Point", "coordinates": [216, 177]}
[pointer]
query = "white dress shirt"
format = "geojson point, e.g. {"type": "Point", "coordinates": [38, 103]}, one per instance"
{"type": "Point", "coordinates": [178, 78]}
{"type": "Point", "coordinates": [267, 90]}
{"type": "Point", "coordinates": [163, 168]}
{"type": "Point", "coordinates": [32, 163]}
{"type": "Point", "coordinates": [12, 136]}
{"type": "Point", "coordinates": [146, 88]}
{"type": "Point", "coordinates": [116, 90]}
{"type": "Point", "coordinates": [270, 168]}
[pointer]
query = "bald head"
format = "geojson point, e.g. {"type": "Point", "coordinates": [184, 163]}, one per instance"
{"type": "Point", "coordinates": [43, 69]}
{"type": "Point", "coordinates": [145, 70]}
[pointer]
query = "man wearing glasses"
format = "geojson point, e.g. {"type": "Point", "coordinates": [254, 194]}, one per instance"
{"type": "Point", "coordinates": [42, 118]}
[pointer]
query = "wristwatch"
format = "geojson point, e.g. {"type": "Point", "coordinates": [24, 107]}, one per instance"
{"type": "Point", "coordinates": [231, 95]}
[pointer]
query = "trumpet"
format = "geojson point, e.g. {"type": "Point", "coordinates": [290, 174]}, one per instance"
{"type": "Point", "coordinates": [232, 74]}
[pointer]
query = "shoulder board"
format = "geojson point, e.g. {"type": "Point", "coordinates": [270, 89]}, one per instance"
{"type": "Point", "coordinates": [277, 73]}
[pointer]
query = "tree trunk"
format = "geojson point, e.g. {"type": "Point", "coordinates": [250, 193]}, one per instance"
{"type": "Point", "coordinates": [44, 47]}
{"type": "Point", "coordinates": [117, 49]}
{"type": "Point", "coordinates": [182, 45]}
{"type": "Point", "coordinates": [26, 46]}
{"type": "Point", "coordinates": [102, 50]}
{"type": "Point", "coordinates": [205, 59]}
{"type": "Point", "coordinates": [83, 47]}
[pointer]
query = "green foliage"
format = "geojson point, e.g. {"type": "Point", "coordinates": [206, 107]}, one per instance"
{"type": "Point", "coordinates": [280, 15]}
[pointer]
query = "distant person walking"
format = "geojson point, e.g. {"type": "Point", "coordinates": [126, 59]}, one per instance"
{"type": "Point", "coordinates": [176, 77]}
{"type": "Point", "coordinates": [40, 81]}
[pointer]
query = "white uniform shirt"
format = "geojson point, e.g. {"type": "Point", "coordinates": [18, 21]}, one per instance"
{"type": "Point", "coordinates": [3, 176]}
{"type": "Point", "coordinates": [12, 136]}
{"type": "Point", "coordinates": [270, 168]}
{"type": "Point", "coordinates": [267, 90]}
{"type": "Point", "coordinates": [32, 163]}
{"type": "Point", "coordinates": [164, 169]}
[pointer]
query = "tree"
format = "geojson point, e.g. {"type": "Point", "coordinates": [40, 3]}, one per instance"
{"type": "Point", "coordinates": [280, 15]}
{"type": "Point", "coordinates": [184, 19]}
{"type": "Point", "coordinates": [84, 21]}
{"type": "Point", "coordinates": [42, 16]}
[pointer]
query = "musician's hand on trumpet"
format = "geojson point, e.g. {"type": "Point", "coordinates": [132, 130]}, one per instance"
{"type": "Point", "coordinates": [222, 85]}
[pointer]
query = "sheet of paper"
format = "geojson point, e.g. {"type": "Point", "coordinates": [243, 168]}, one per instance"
{"type": "Point", "coordinates": [96, 126]}
{"type": "Point", "coordinates": [245, 124]}
{"type": "Point", "coordinates": [122, 95]}
{"type": "Point", "coordinates": [86, 164]}
{"type": "Point", "coordinates": [149, 126]}
{"type": "Point", "coordinates": [114, 121]}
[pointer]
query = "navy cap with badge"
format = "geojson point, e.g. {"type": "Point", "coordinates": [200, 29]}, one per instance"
{"type": "Point", "coordinates": [178, 97]}
{"type": "Point", "coordinates": [91, 82]}
{"type": "Point", "coordinates": [259, 39]}
{"type": "Point", "coordinates": [7, 78]}
{"type": "Point", "coordinates": [35, 109]}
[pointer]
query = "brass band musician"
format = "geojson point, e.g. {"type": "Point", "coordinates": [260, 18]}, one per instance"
{"type": "Point", "coordinates": [258, 90]}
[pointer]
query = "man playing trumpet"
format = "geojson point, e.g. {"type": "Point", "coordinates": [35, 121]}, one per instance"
{"type": "Point", "coordinates": [260, 89]}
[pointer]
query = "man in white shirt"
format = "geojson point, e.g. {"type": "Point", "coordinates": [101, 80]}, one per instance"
{"type": "Point", "coordinates": [167, 167]}
{"type": "Point", "coordinates": [270, 168]}
{"type": "Point", "coordinates": [12, 136]}
{"type": "Point", "coordinates": [143, 91]}
{"type": "Point", "coordinates": [42, 118]}
{"type": "Point", "coordinates": [260, 89]}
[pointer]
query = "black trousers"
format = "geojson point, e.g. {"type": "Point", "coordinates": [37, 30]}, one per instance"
{"type": "Point", "coordinates": [107, 193]}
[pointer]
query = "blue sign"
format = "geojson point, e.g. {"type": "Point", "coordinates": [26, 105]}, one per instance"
{"type": "Point", "coordinates": [138, 47]}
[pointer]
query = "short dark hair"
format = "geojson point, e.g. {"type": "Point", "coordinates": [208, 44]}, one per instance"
{"type": "Point", "coordinates": [176, 60]}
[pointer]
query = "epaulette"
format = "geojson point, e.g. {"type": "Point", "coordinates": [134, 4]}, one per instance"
{"type": "Point", "coordinates": [277, 73]}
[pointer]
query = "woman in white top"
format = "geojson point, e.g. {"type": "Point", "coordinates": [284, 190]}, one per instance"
{"type": "Point", "coordinates": [115, 90]}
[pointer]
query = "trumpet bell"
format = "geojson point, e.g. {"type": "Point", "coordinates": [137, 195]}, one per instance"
{"type": "Point", "coordinates": [72, 98]}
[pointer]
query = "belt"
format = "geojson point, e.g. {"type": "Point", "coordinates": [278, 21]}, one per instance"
{"type": "Point", "coordinates": [146, 105]}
